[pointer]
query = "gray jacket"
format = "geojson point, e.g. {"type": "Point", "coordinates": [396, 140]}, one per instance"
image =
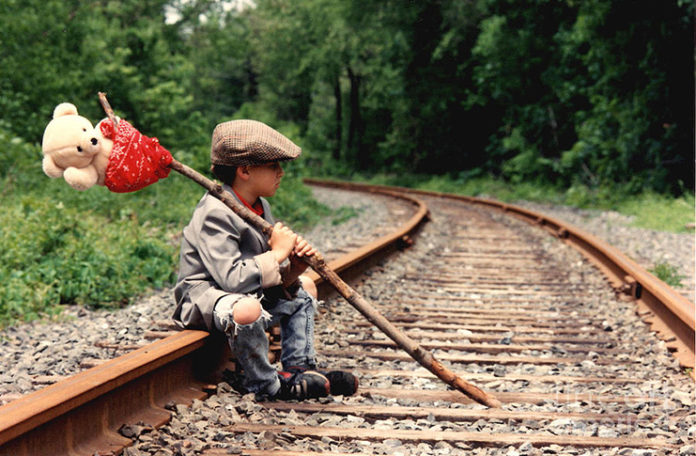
{"type": "Point", "coordinates": [221, 254]}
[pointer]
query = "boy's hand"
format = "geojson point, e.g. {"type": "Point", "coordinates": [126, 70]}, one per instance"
{"type": "Point", "coordinates": [282, 241]}
{"type": "Point", "coordinates": [302, 249]}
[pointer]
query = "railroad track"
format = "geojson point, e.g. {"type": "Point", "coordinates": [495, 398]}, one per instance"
{"type": "Point", "coordinates": [485, 292]}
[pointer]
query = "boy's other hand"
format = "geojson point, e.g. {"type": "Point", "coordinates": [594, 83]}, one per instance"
{"type": "Point", "coordinates": [303, 248]}
{"type": "Point", "coordinates": [282, 242]}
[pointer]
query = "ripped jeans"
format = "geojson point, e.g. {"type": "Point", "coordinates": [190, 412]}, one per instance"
{"type": "Point", "coordinates": [249, 343]}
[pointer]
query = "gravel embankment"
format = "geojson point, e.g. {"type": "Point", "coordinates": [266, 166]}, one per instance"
{"type": "Point", "coordinates": [40, 353]}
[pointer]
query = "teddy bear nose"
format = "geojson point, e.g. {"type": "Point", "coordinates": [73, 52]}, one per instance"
{"type": "Point", "coordinates": [94, 141]}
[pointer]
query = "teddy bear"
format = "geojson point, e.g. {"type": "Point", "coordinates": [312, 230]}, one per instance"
{"type": "Point", "coordinates": [116, 156]}
{"type": "Point", "coordinates": [74, 150]}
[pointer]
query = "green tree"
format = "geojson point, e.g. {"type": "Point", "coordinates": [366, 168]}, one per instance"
{"type": "Point", "coordinates": [333, 68]}
{"type": "Point", "coordinates": [514, 60]}
{"type": "Point", "coordinates": [563, 92]}
{"type": "Point", "coordinates": [635, 65]}
{"type": "Point", "coordinates": [56, 51]}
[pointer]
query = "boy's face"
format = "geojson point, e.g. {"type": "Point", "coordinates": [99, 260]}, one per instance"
{"type": "Point", "coordinates": [265, 179]}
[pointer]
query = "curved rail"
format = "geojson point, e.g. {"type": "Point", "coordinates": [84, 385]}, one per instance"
{"type": "Point", "coordinates": [669, 314]}
{"type": "Point", "coordinates": [82, 414]}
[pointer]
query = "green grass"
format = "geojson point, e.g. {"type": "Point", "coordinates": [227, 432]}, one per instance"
{"type": "Point", "coordinates": [59, 246]}
{"type": "Point", "coordinates": [658, 212]}
{"type": "Point", "coordinates": [343, 214]}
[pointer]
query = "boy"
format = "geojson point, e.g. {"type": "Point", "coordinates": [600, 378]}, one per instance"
{"type": "Point", "coordinates": [233, 280]}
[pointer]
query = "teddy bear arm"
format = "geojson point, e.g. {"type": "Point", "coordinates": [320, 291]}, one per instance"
{"type": "Point", "coordinates": [81, 178]}
{"type": "Point", "coordinates": [50, 168]}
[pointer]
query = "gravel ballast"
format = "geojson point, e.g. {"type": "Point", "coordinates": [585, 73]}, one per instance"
{"type": "Point", "coordinates": [41, 353]}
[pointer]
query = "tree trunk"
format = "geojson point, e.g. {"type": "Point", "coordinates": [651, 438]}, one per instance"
{"type": "Point", "coordinates": [252, 88]}
{"type": "Point", "coordinates": [354, 127]}
{"type": "Point", "coordinates": [339, 119]}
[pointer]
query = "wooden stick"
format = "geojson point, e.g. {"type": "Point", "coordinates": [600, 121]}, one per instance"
{"type": "Point", "coordinates": [107, 108]}
{"type": "Point", "coordinates": [316, 262]}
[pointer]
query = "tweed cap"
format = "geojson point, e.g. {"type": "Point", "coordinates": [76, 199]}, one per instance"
{"type": "Point", "coordinates": [249, 142]}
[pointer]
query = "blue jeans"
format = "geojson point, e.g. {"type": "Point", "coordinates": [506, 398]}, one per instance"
{"type": "Point", "coordinates": [249, 343]}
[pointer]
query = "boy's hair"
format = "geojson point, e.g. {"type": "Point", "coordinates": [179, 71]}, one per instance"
{"type": "Point", "coordinates": [224, 173]}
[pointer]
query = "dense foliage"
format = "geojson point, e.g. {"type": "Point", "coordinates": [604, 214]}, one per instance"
{"type": "Point", "coordinates": [567, 94]}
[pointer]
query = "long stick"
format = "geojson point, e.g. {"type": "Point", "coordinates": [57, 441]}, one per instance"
{"type": "Point", "coordinates": [317, 263]}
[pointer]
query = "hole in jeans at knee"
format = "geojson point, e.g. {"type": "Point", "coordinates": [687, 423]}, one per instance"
{"type": "Point", "coordinates": [264, 317]}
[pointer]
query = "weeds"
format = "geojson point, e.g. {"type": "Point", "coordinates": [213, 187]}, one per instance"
{"type": "Point", "coordinates": [343, 214]}
{"type": "Point", "coordinates": [668, 274]}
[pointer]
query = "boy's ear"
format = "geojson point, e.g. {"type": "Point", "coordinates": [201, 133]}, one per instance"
{"type": "Point", "coordinates": [243, 172]}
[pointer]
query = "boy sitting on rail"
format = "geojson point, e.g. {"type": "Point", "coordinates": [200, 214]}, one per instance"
{"type": "Point", "coordinates": [233, 280]}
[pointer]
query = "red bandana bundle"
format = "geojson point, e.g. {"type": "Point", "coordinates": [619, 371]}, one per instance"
{"type": "Point", "coordinates": [136, 160]}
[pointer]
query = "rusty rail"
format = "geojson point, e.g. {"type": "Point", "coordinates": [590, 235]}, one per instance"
{"type": "Point", "coordinates": [82, 413]}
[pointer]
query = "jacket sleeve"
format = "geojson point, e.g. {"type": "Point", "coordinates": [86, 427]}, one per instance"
{"type": "Point", "coordinates": [220, 250]}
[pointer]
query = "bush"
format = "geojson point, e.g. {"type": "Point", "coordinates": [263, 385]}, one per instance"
{"type": "Point", "coordinates": [53, 254]}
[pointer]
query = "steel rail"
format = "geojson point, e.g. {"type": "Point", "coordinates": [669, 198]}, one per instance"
{"type": "Point", "coordinates": [668, 313]}
{"type": "Point", "coordinates": [82, 414]}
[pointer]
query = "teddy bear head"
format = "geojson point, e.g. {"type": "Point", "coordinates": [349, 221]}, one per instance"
{"type": "Point", "coordinates": [70, 145]}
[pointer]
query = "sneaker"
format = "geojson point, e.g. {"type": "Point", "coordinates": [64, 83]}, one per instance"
{"type": "Point", "coordinates": [342, 383]}
{"type": "Point", "coordinates": [302, 385]}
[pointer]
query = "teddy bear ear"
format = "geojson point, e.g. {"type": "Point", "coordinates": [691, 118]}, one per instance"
{"type": "Point", "coordinates": [64, 109]}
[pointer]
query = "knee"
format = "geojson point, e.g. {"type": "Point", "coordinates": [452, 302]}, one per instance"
{"type": "Point", "coordinates": [309, 286]}
{"type": "Point", "coordinates": [246, 311]}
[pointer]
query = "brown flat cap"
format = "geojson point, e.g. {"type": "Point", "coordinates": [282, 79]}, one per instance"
{"type": "Point", "coordinates": [249, 142]}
